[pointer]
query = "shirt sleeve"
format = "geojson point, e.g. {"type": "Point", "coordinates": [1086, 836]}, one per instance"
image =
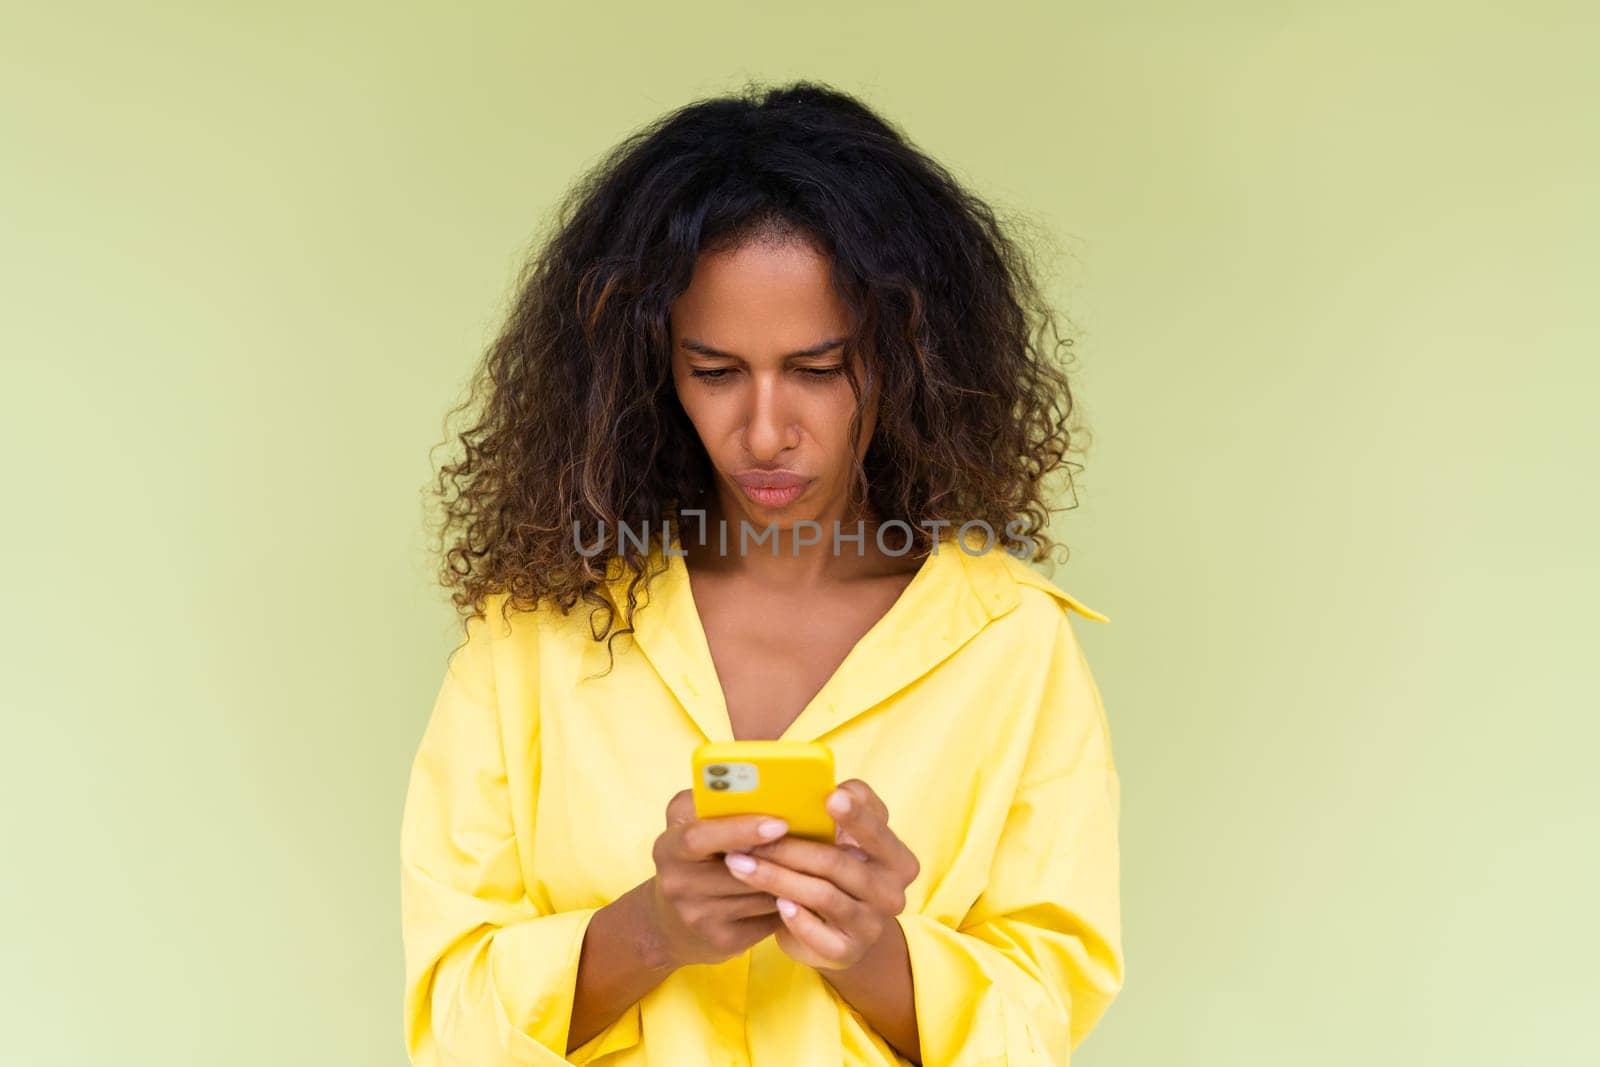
{"type": "Point", "coordinates": [1038, 958]}
{"type": "Point", "coordinates": [490, 977]}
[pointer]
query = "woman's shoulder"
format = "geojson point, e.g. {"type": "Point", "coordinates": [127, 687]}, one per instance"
{"type": "Point", "coordinates": [508, 628]}
{"type": "Point", "coordinates": [499, 630]}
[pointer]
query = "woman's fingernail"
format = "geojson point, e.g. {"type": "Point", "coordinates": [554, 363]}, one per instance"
{"type": "Point", "coordinates": [740, 862]}
{"type": "Point", "coordinates": [771, 828]}
{"type": "Point", "coordinates": [787, 907]}
{"type": "Point", "coordinates": [839, 802]}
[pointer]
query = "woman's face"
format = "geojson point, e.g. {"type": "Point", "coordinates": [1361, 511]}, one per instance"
{"type": "Point", "coordinates": [758, 362]}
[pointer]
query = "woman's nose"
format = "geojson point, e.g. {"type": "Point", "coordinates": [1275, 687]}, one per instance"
{"type": "Point", "coordinates": [769, 425]}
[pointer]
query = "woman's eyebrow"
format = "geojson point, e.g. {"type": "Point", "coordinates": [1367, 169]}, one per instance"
{"type": "Point", "coordinates": [815, 350]}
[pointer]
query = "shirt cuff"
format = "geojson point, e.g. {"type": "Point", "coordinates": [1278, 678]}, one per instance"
{"type": "Point", "coordinates": [534, 968]}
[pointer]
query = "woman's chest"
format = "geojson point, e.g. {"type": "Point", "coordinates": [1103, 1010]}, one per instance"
{"type": "Point", "coordinates": [772, 655]}
{"type": "Point", "coordinates": [943, 752]}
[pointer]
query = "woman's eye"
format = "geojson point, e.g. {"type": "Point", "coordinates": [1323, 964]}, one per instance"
{"type": "Point", "coordinates": [717, 374]}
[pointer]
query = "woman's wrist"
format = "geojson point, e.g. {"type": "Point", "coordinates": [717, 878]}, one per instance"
{"type": "Point", "coordinates": [648, 939]}
{"type": "Point", "coordinates": [622, 959]}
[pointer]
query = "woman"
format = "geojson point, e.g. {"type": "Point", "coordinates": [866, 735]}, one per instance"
{"type": "Point", "coordinates": [766, 315]}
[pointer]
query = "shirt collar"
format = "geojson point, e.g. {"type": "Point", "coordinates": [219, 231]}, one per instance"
{"type": "Point", "coordinates": [952, 597]}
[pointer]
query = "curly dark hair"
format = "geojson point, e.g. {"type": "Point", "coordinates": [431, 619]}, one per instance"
{"type": "Point", "coordinates": [580, 430]}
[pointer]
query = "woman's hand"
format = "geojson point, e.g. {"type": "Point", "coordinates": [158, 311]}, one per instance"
{"type": "Point", "coordinates": [844, 894]}
{"type": "Point", "coordinates": [700, 912]}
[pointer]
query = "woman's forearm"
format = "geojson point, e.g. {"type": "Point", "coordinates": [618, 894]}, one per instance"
{"type": "Point", "coordinates": [621, 960]}
{"type": "Point", "coordinates": [879, 986]}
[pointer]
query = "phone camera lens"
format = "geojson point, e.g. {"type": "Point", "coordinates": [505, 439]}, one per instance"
{"type": "Point", "coordinates": [720, 783]}
{"type": "Point", "coordinates": [718, 769]}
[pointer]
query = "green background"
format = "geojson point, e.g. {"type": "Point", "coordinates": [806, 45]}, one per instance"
{"type": "Point", "coordinates": [1333, 268]}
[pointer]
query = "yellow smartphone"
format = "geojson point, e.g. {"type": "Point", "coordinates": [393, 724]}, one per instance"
{"type": "Point", "coordinates": [787, 779]}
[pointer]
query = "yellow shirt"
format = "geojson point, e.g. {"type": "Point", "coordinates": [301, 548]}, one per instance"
{"type": "Point", "coordinates": [537, 793]}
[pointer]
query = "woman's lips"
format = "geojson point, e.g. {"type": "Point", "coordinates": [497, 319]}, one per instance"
{"type": "Point", "coordinates": [772, 489]}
